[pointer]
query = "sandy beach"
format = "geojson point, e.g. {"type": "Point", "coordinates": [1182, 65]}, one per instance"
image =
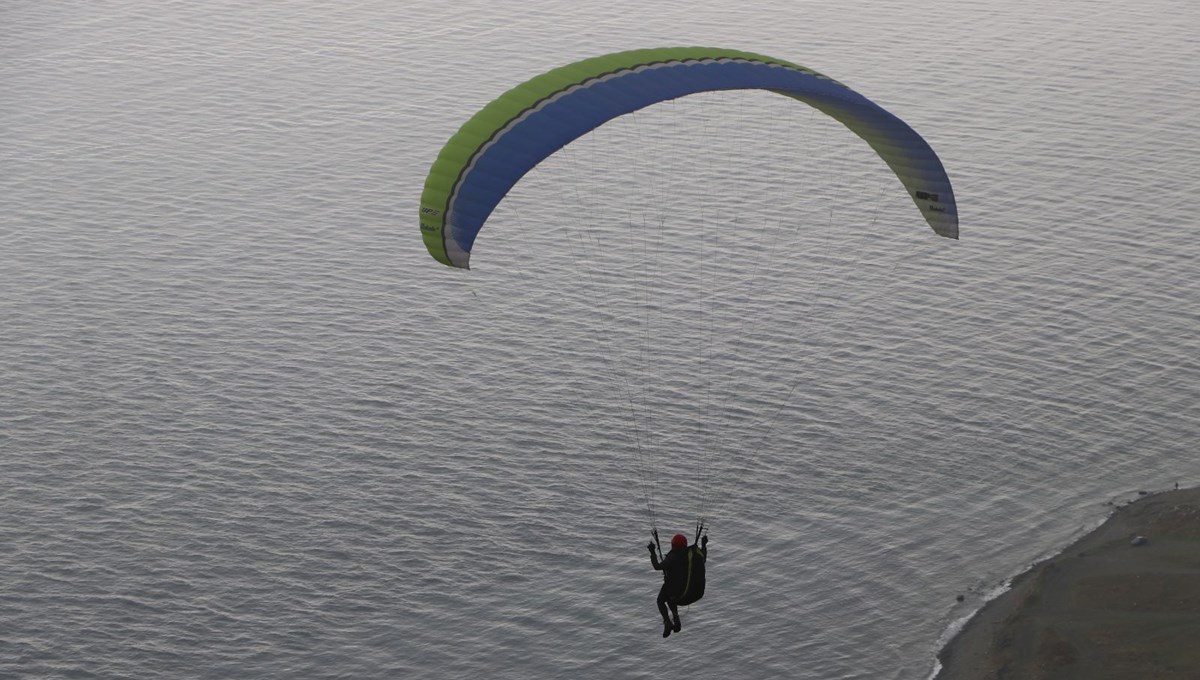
{"type": "Point", "coordinates": [1102, 608]}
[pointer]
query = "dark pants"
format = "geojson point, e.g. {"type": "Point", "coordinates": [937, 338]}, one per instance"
{"type": "Point", "coordinates": [664, 601]}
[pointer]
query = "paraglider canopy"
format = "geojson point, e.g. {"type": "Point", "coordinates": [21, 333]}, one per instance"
{"type": "Point", "coordinates": [525, 125]}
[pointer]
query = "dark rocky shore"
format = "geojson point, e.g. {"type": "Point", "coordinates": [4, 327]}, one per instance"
{"type": "Point", "coordinates": [1121, 602]}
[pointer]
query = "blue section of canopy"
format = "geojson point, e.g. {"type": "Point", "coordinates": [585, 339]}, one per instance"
{"type": "Point", "coordinates": [563, 118]}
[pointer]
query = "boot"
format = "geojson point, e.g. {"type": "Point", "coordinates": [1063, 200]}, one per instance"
{"type": "Point", "coordinates": [667, 628]}
{"type": "Point", "coordinates": [675, 624]}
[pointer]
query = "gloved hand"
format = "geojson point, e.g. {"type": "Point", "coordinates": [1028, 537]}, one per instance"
{"type": "Point", "coordinates": [650, 546]}
{"type": "Point", "coordinates": [704, 541]}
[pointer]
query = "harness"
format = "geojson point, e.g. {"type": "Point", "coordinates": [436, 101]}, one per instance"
{"type": "Point", "coordinates": [693, 584]}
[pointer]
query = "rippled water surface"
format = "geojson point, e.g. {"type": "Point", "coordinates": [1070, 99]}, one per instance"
{"type": "Point", "coordinates": [248, 428]}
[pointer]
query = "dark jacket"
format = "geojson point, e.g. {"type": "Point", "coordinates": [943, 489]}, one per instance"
{"type": "Point", "coordinates": [681, 574]}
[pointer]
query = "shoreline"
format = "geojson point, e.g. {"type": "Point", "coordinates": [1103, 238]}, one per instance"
{"type": "Point", "coordinates": [1100, 608]}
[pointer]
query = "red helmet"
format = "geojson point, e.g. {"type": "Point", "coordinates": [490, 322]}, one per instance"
{"type": "Point", "coordinates": [678, 542]}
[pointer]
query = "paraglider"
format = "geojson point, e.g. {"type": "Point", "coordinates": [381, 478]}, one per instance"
{"type": "Point", "coordinates": [513, 134]}
{"type": "Point", "coordinates": [683, 578]}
